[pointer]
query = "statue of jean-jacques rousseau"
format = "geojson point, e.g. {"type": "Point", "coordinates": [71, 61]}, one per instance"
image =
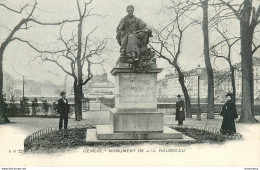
{"type": "Point", "coordinates": [132, 34]}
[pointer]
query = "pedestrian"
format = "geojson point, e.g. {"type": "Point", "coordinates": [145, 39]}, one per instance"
{"type": "Point", "coordinates": [229, 114]}
{"type": "Point", "coordinates": [180, 113]}
{"type": "Point", "coordinates": [63, 110]}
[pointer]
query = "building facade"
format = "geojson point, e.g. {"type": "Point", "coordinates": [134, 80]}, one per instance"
{"type": "Point", "coordinates": [13, 88]}
{"type": "Point", "coordinates": [169, 86]}
{"type": "Point", "coordinates": [8, 86]}
{"type": "Point", "coordinates": [98, 87]}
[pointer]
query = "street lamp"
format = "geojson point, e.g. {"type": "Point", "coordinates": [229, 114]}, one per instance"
{"type": "Point", "coordinates": [198, 104]}
{"type": "Point", "coordinates": [23, 86]}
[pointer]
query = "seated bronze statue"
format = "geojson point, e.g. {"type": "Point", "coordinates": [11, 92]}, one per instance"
{"type": "Point", "coordinates": [132, 34]}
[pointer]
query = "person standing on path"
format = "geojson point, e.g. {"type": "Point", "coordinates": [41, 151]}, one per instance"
{"type": "Point", "coordinates": [63, 110]}
{"type": "Point", "coordinates": [180, 113]}
{"type": "Point", "coordinates": [229, 114]}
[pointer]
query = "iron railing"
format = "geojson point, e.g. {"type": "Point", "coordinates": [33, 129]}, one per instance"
{"type": "Point", "coordinates": [216, 131]}
{"type": "Point", "coordinates": [39, 133]}
{"type": "Point", "coordinates": [36, 135]}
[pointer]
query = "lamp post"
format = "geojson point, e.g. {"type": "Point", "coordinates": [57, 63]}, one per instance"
{"type": "Point", "coordinates": [198, 104]}
{"type": "Point", "coordinates": [23, 86]}
{"type": "Point", "coordinates": [65, 82]}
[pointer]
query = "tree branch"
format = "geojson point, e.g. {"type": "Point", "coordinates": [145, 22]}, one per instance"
{"type": "Point", "coordinates": [58, 64]}
{"type": "Point", "coordinates": [159, 54]}
{"type": "Point", "coordinates": [232, 8]}
{"type": "Point", "coordinates": [85, 8]}
{"type": "Point", "coordinates": [255, 49]}
{"type": "Point", "coordinates": [13, 10]}
{"type": "Point", "coordinates": [256, 17]}
{"type": "Point", "coordinates": [35, 48]}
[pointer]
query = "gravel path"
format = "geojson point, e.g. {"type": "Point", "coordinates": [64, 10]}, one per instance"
{"type": "Point", "coordinates": [235, 153]}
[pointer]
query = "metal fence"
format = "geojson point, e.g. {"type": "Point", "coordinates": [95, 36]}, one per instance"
{"type": "Point", "coordinates": [97, 105]}
{"type": "Point", "coordinates": [216, 131]}
{"type": "Point", "coordinates": [170, 108]}
{"type": "Point", "coordinates": [36, 135]}
{"type": "Point", "coordinates": [29, 140]}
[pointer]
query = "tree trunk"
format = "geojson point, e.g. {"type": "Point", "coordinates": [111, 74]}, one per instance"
{"type": "Point", "coordinates": [185, 92]}
{"type": "Point", "coordinates": [247, 108]}
{"type": "Point", "coordinates": [246, 33]}
{"type": "Point", "coordinates": [1, 88]}
{"type": "Point", "coordinates": [3, 118]}
{"type": "Point", "coordinates": [210, 75]}
{"type": "Point", "coordinates": [233, 82]}
{"type": "Point", "coordinates": [79, 67]}
{"type": "Point", "coordinates": [78, 104]}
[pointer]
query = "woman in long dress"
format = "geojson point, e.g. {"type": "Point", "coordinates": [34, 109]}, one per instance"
{"type": "Point", "coordinates": [229, 114]}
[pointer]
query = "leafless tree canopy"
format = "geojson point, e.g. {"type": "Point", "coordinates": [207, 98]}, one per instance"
{"type": "Point", "coordinates": [170, 39]}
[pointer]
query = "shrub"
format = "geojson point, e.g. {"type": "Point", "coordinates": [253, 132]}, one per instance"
{"type": "Point", "coordinates": [13, 110]}
{"type": "Point", "coordinates": [45, 107]}
{"type": "Point", "coordinates": [24, 106]}
{"type": "Point", "coordinates": [54, 108]}
{"type": "Point", "coordinates": [35, 106]}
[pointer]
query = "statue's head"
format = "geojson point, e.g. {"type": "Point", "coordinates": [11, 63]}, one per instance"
{"type": "Point", "coordinates": [130, 10]}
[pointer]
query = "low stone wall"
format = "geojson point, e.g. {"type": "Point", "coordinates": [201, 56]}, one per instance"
{"type": "Point", "coordinates": [170, 108]}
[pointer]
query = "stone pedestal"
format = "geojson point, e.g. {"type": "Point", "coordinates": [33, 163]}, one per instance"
{"type": "Point", "coordinates": [105, 132]}
{"type": "Point", "coordinates": [135, 101]}
{"type": "Point", "coordinates": [138, 122]}
{"type": "Point", "coordinates": [135, 115]}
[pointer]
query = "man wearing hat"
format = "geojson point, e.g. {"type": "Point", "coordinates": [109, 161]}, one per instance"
{"type": "Point", "coordinates": [63, 110]}
{"type": "Point", "coordinates": [229, 114]}
{"type": "Point", "coordinates": [180, 113]}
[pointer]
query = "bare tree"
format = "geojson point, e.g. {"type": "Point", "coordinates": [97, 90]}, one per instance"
{"type": "Point", "coordinates": [226, 41]}
{"type": "Point", "coordinates": [205, 28]}
{"type": "Point", "coordinates": [248, 17]}
{"type": "Point", "coordinates": [170, 39]}
{"type": "Point", "coordinates": [78, 53]}
{"type": "Point", "coordinates": [23, 24]}
{"type": "Point", "coordinates": [206, 24]}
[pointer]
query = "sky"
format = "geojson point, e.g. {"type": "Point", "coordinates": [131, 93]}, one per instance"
{"type": "Point", "coordinates": [18, 57]}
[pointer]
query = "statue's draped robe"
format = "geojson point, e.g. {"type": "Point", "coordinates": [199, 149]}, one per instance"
{"type": "Point", "coordinates": [131, 34]}
{"type": "Point", "coordinates": [229, 113]}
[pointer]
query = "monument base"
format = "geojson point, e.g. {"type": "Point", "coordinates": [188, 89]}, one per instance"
{"type": "Point", "coordinates": [137, 120]}
{"type": "Point", "coordinates": [135, 116]}
{"type": "Point", "coordinates": [104, 134]}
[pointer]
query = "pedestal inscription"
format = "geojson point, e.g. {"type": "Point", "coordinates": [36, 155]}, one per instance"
{"type": "Point", "coordinates": [136, 90]}
{"type": "Point", "coordinates": [138, 122]}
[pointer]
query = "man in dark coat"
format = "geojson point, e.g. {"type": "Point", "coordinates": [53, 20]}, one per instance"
{"type": "Point", "coordinates": [180, 113]}
{"type": "Point", "coordinates": [63, 110]}
{"type": "Point", "coordinates": [229, 114]}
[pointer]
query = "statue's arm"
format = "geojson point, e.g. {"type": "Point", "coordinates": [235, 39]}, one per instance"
{"type": "Point", "coordinates": [143, 27]}
{"type": "Point", "coordinates": [120, 31]}
{"type": "Point", "coordinates": [121, 25]}
{"type": "Point", "coordinates": [141, 24]}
